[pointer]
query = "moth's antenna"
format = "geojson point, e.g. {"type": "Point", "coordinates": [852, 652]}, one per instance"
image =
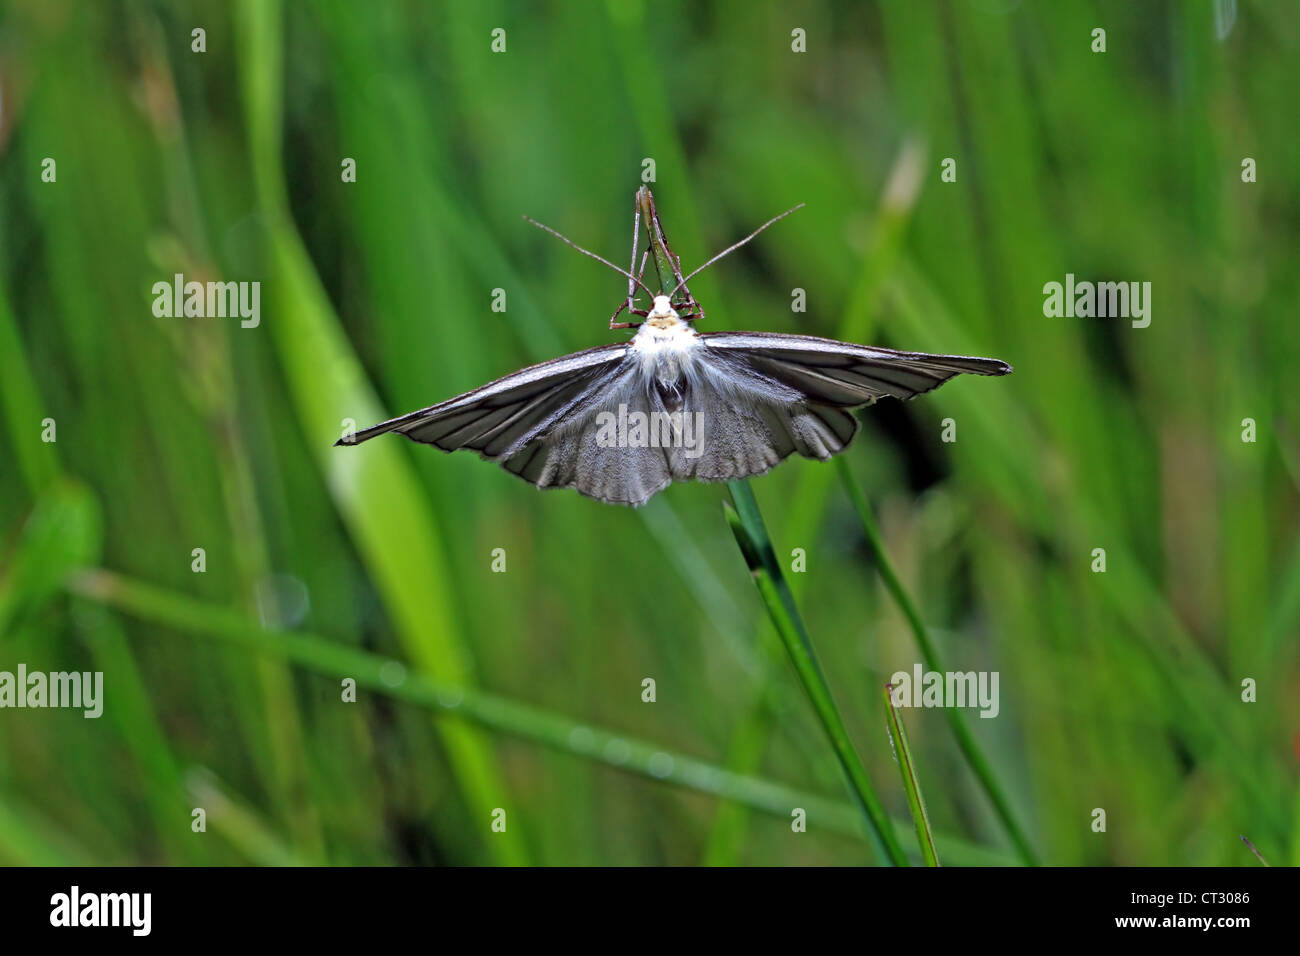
{"type": "Point", "coordinates": [732, 248]}
{"type": "Point", "coordinates": [587, 252]}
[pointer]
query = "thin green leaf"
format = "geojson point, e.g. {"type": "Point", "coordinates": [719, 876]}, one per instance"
{"type": "Point", "coordinates": [751, 536]}
{"type": "Point", "coordinates": [970, 750]}
{"type": "Point", "coordinates": [556, 731]}
{"type": "Point", "coordinates": [907, 767]}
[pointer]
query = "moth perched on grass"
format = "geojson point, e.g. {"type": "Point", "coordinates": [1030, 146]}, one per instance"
{"type": "Point", "coordinates": [712, 406]}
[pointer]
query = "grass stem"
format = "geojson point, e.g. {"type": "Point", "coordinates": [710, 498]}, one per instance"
{"type": "Point", "coordinates": [751, 535]}
{"type": "Point", "coordinates": [975, 758]}
{"type": "Point", "coordinates": [911, 783]}
{"type": "Point", "coordinates": [558, 732]}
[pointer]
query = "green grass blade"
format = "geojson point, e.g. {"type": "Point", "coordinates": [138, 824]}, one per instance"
{"type": "Point", "coordinates": [813, 490]}
{"type": "Point", "coordinates": [907, 767]}
{"type": "Point", "coordinates": [20, 403]}
{"type": "Point", "coordinates": [970, 749]}
{"type": "Point", "coordinates": [63, 532]}
{"type": "Point", "coordinates": [27, 839]}
{"type": "Point", "coordinates": [751, 536]}
{"type": "Point", "coordinates": [239, 824]}
{"type": "Point", "coordinates": [400, 541]}
{"type": "Point", "coordinates": [534, 724]}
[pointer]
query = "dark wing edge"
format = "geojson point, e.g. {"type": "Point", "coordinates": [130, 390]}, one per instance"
{"type": "Point", "coordinates": [495, 394]}
{"type": "Point", "coordinates": [844, 374]}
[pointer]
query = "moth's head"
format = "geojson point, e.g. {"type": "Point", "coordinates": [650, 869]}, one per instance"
{"type": "Point", "coordinates": [663, 308]}
{"type": "Point", "coordinates": [663, 315]}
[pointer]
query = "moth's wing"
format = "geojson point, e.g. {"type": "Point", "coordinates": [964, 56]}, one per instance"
{"type": "Point", "coordinates": [720, 422]}
{"type": "Point", "coordinates": [543, 423]}
{"type": "Point", "coordinates": [745, 421]}
{"type": "Point", "coordinates": [843, 374]}
{"type": "Point", "coordinates": [765, 396]}
{"type": "Point", "coordinates": [585, 452]}
{"type": "Point", "coordinates": [502, 416]}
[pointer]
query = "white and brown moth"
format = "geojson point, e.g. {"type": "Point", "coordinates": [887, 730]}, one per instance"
{"type": "Point", "coordinates": [621, 422]}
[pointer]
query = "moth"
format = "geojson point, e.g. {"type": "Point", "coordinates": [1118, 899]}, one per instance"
{"type": "Point", "coordinates": [620, 422]}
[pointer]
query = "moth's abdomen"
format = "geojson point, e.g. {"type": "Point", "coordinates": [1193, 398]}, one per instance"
{"type": "Point", "coordinates": [672, 395]}
{"type": "Point", "coordinates": [668, 369]}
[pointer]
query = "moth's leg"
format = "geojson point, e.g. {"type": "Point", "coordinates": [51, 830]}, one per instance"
{"type": "Point", "coordinates": [686, 291]}
{"type": "Point", "coordinates": [690, 309]}
{"type": "Point", "coordinates": [630, 304]}
{"type": "Point", "coordinates": [636, 235]}
{"type": "Point", "coordinates": [690, 302]}
{"type": "Point", "coordinates": [629, 325]}
{"type": "Point", "coordinates": [675, 262]}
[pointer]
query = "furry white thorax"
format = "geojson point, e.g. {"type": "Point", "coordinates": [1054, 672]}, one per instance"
{"type": "Point", "coordinates": [664, 342]}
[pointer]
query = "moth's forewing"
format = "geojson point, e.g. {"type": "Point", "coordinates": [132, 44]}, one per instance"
{"type": "Point", "coordinates": [515, 391]}
{"type": "Point", "coordinates": [843, 374]}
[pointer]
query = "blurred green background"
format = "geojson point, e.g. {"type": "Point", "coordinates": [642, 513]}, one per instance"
{"type": "Point", "coordinates": [522, 691]}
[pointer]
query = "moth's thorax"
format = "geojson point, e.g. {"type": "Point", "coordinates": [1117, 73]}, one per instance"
{"type": "Point", "coordinates": [663, 342]}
